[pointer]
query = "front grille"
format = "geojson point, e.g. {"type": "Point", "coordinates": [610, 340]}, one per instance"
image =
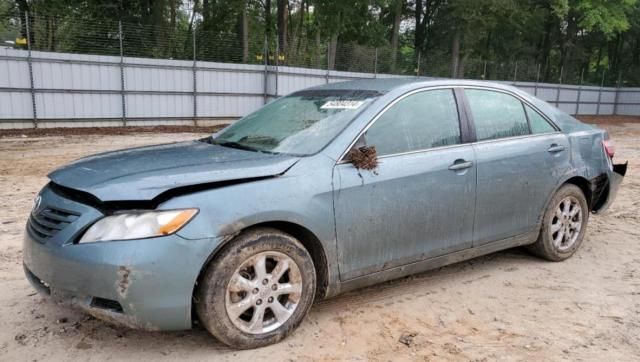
{"type": "Point", "coordinates": [47, 222]}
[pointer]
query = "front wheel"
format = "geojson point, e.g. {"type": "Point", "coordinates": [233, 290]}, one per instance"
{"type": "Point", "coordinates": [563, 226]}
{"type": "Point", "coordinates": [257, 290]}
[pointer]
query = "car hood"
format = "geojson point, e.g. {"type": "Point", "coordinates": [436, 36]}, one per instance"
{"type": "Point", "coordinates": [146, 172]}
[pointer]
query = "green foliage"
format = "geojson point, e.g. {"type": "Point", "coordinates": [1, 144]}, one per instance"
{"type": "Point", "coordinates": [547, 39]}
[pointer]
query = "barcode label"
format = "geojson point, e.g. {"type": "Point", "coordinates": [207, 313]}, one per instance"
{"type": "Point", "coordinates": [342, 105]}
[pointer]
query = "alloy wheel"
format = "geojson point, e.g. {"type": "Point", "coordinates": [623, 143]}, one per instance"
{"type": "Point", "coordinates": [263, 292]}
{"type": "Point", "coordinates": [566, 223]}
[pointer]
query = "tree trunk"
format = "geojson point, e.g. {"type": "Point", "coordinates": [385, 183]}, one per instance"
{"type": "Point", "coordinates": [418, 38]}
{"type": "Point", "coordinates": [463, 64]}
{"type": "Point", "coordinates": [172, 27]}
{"type": "Point", "coordinates": [245, 33]}
{"type": "Point", "coordinates": [206, 11]}
{"type": "Point", "coordinates": [599, 59]}
{"type": "Point", "coordinates": [546, 47]}
{"type": "Point", "coordinates": [267, 19]}
{"type": "Point", "coordinates": [157, 18]}
{"type": "Point", "coordinates": [189, 41]}
{"type": "Point", "coordinates": [395, 34]}
{"type": "Point", "coordinates": [455, 54]}
{"type": "Point", "coordinates": [24, 8]}
{"type": "Point", "coordinates": [567, 45]}
{"type": "Point", "coordinates": [282, 25]}
{"type": "Point", "coordinates": [172, 21]}
{"type": "Point", "coordinates": [318, 56]}
{"type": "Point", "coordinates": [50, 35]}
{"type": "Point", "coordinates": [294, 49]}
{"type": "Point", "coordinates": [333, 45]}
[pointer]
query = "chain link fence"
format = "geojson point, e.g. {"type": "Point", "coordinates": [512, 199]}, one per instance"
{"type": "Point", "coordinates": [197, 43]}
{"type": "Point", "coordinates": [84, 72]}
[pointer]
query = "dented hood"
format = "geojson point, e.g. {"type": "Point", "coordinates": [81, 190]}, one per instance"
{"type": "Point", "coordinates": [146, 172]}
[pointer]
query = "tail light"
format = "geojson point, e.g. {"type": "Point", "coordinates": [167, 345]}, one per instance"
{"type": "Point", "coordinates": [609, 149]}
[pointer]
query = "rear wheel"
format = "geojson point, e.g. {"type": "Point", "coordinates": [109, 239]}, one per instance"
{"type": "Point", "coordinates": [563, 226]}
{"type": "Point", "coordinates": [257, 290]}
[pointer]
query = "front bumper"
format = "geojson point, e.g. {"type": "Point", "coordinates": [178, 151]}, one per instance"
{"type": "Point", "coordinates": [142, 283]}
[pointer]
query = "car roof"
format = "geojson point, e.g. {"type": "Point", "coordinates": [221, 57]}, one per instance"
{"type": "Point", "coordinates": [385, 85]}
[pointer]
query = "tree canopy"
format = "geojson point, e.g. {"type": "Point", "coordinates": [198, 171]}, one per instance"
{"type": "Point", "coordinates": [569, 41]}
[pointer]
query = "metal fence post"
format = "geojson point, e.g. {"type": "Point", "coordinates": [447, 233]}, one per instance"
{"type": "Point", "coordinates": [579, 93]}
{"type": "Point", "coordinates": [277, 63]}
{"type": "Point", "coordinates": [418, 65]}
{"type": "Point", "coordinates": [615, 101]}
{"type": "Point", "coordinates": [122, 84]}
{"type": "Point", "coordinates": [515, 74]}
{"type": "Point", "coordinates": [559, 86]}
{"type": "Point", "coordinates": [30, 65]}
{"type": "Point", "coordinates": [326, 76]}
{"type": "Point", "coordinates": [484, 71]}
{"type": "Point", "coordinates": [195, 78]}
{"type": "Point", "coordinates": [375, 64]}
{"type": "Point", "coordinates": [600, 93]}
{"type": "Point", "coordinates": [265, 54]}
{"type": "Point", "coordinates": [535, 88]}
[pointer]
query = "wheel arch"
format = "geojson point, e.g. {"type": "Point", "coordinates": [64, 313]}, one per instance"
{"type": "Point", "coordinates": [581, 182]}
{"type": "Point", "coordinates": [584, 185]}
{"type": "Point", "coordinates": [308, 239]}
{"type": "Point", "coordinates": [313, 245]}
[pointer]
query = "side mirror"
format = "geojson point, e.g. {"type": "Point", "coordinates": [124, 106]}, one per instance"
{"type": "Point", "coordinates": [363, 157]}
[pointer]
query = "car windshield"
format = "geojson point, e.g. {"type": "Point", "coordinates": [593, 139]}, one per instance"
{"type": "Point", "coordinates": [299, 124]}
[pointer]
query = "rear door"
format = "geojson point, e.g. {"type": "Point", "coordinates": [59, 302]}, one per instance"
{"type": "Point", "coordinates": [520, 158]}
{"type": "Point", "coordinates": [419, 202]}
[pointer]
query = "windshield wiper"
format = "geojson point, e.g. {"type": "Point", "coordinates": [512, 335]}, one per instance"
{"type": "Point", "coordinates": [241, 146]}
{"type": "Point", "coordinates": [237, 145]}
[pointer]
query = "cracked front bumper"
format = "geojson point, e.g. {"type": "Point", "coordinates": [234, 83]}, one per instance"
{"type": "Point", "coordinates": [145, 283]}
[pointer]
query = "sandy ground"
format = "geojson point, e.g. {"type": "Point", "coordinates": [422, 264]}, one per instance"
{"type": "Point", "coordinates": [508, 305]}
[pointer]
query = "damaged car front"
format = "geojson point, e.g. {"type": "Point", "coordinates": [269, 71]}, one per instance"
{"type": "Point", "coordinates": [124, 235]}
{"type": "Point", "coordinates": [103, 240]}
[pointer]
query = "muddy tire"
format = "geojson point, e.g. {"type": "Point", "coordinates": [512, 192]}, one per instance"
{"type": "Point", "coordinates": [257, 290]}
{"type": "Point", "coordinates": [563, 225]}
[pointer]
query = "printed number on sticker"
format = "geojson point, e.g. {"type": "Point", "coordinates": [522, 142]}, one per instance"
{"type": "Point", "coordinates": [342, 105]}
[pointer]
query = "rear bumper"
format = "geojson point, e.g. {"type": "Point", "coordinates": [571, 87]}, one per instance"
{"type": "Point", "coordinates": [144, 284]}
{"type": "Point", "coordinates": [605, 197]}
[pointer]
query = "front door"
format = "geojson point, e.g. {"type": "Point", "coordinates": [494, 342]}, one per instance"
{"type": "Point", "coordinates": [419, 201]}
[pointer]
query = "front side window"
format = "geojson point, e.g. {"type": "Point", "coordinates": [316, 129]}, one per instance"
{"type": "Point", "coordinates": [299, 124]}
{"type": "Point", "coordinates": [419, 121]}
{"type": "Point", "coordinates": [496, 114]}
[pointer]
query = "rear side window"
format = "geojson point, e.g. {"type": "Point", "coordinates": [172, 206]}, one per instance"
{"type": "Point", "coordinates": [419, 121]}
{"type": "Point", "coordinates": [496, 115]}
{"type": "Point", "coordinates": [537, 122]}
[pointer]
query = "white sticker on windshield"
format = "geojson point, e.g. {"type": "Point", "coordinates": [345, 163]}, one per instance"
{"type": "Point", "coordinates": [342, 105]}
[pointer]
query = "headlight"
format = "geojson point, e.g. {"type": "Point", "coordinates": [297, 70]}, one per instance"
{"type": "Point", "coordinates": [138, 225]}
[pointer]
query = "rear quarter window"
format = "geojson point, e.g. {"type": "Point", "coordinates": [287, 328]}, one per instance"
{"type": "Point", "coordinates": [538, 123]}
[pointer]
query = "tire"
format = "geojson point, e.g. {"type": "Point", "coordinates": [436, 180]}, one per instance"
{"type": "Point", "coordinates": [233, 289]}
{"type": "Point", "coordinates": [559, 239]}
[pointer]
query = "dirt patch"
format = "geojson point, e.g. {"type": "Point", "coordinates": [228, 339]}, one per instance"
{"type": "Point", "coordinates": [507, 305]}
{"type": "Point", "coordinates": [105, 131]}
{"type": "Point", "coordinates": [609, 119]}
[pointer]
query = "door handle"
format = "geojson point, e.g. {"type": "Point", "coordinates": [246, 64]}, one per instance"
{"type": "Point", "coordinates": [460, 165]}
{"type": "Point", "coordinates": [555, 148]}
